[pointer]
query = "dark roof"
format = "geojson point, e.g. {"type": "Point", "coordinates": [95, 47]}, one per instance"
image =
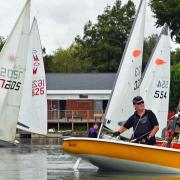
{"type": "Point", "coordinates": [80, 81]}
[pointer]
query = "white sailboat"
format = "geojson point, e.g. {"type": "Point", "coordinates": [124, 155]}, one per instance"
{"type": "Point", "coordinates": [124, 156]}
{"type": "Point", "coordinates": [33, 111]}
{"type": "Point", "coordinates": [155, 85]}
{"type": "Point", "coordinates": [13, 58]}
{"type": "Point", "coordinates": [128, 78]}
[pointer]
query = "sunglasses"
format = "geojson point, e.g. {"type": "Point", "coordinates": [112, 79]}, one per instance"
{"type": "Point", "coordinates": [142, 102]}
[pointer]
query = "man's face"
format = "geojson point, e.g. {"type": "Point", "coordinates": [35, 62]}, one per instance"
{"type": "Point", "coordinates": [139, 106]}
{"type": "Point", "coordinates": [96, 126]}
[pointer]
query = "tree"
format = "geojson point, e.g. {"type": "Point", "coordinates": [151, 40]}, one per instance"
{"type": "Point", "coordinates": [103, 42]}
{"type": "Point", "coordinates": [149, 44]}
{"type": "Point", "coordinates": [67, 62]}
{"type": "Point", "coordinates": [48, 63]}
{"type": "Point", "coordinates": [167, 11]}
{"type": "Point", "coordinates": [175, 86]}
{"type": "Point", "coordinates": [175, 56]}
{"type": "Point", "coordinates": [2, 42]}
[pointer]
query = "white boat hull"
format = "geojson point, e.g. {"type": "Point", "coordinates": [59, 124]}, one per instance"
{"type": "Point", "coordinates": [7, 144]}
{"type": "Point", "coordinates": [113, 164]}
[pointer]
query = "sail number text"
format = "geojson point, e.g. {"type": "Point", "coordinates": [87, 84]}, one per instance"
{"type": "Point", "coordinates": [38, 87]}
{"type": "Point", "coordinates": [138, 76]}
{"type": "Point", "coordinates": [162, 93]}
{"type": "Point", "coordinates": [7, 84]}
{"type": "Point", "coordinates": [9, 78]}
{"type": "Point", "coordinates": [10, 73]}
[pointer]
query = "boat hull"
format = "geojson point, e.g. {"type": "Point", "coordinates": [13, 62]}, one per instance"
{"type": "Point", "coordinates": [6, 144]}
{"type": "Point", "coordinates": [174, 145]}
{"type": "Point", "coordinates": [123, 156]}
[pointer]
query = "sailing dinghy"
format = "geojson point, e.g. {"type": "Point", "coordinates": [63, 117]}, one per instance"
{"type": "Point", "coordinates": [33, 111]}
{"type": "Point", "coordinates": [118, 155]}
{"type": "Point", "coordinates": [13, 58]}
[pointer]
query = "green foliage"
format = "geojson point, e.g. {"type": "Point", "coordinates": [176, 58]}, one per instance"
{"type": "Point", "coordinates": [175, 86]}
{"type": "Point", "coordinates": [103, 43]}
{"type": "Point", "coordinates": [149, 44]}
{"type": "Point", "coordinates": [168, 11]}
{"type": "Point", "coordinates": [48, 63]}
{"type": "Point", "coordinates": [65, 61]}
{"type": "Point", "coordinates": [2, 41]}
{"type": "Point", "coordinates": [175, 56]}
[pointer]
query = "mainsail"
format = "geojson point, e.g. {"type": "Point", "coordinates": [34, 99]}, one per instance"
{"type": "Point", "coordinates": [128, 77]}
{"type": "Point", "coordinates": [156, 81]}
{"type": "Point", "coordinates": [33, 111]}
{"type": "Point", "coordinates": [13, 59]}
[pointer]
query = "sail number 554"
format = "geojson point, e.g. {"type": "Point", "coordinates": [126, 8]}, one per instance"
{"type": "Point", "coordinates": [160, 94]}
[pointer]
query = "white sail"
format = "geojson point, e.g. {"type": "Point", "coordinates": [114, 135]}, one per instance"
{"type": "Point", "coordinates": [33, 111]}
{"type": "Point", "coordinates": [13, 59]}
{"type": "Point", "coordinates": [128, 77]}
{"type": "Point", "coordinates": [156, 81]}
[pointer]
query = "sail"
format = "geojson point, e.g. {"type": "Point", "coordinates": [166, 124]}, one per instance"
{"type": "Point", "coordinates": [13, 58]}
{"type": "Point", "coordinates": [128, 77]}
{"type": "Point", "coordinates": [33, 111]}
{"type": "Point", "coordinates": [156, 81]}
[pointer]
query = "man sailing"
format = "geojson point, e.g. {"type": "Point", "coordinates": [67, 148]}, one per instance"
{"type": "Point", "coordinates": [144, 123]}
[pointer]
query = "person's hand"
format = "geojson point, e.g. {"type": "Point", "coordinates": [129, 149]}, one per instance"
{"type": "Point", "coordinates": [149, 137]}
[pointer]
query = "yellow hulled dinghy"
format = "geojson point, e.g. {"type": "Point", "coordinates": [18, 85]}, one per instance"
{"type": "Point", "coordinates": [124, 156]}
{"type": "Point", "coordinates": [112, 154]}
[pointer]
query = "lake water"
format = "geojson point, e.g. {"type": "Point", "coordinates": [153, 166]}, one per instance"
{"type": "Point", "coordinates": [41, 162]}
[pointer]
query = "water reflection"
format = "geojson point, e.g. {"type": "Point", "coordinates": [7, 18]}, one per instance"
{"type": "Point", "coordinates": [31, 161]}
{"type": "Point", "coordinates": [23, 163]}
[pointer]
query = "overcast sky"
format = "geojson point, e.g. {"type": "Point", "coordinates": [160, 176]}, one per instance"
{"type": "Point", "coordinates": [61, 20]}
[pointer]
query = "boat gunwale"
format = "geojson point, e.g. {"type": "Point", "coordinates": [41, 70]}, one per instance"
{"type": "Point", "coordinates": [122, 142]}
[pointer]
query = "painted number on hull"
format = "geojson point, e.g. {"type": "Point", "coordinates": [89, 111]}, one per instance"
{"type": "Point", "coordinates": [37, 87]}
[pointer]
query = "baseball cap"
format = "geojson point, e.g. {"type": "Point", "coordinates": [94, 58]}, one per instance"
{"type": "Point", "coordinates": [138, 100]}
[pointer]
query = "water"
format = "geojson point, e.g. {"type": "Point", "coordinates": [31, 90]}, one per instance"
{"type": "Point", "coordinates": [41, 162]}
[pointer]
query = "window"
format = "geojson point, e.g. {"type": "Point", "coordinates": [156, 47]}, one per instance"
{"type": "Point", "coordinates": [83, 96]}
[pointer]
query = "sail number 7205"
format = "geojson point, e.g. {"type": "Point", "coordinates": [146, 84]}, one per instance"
{"type": "Point", "coordinates": [7, 84]}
